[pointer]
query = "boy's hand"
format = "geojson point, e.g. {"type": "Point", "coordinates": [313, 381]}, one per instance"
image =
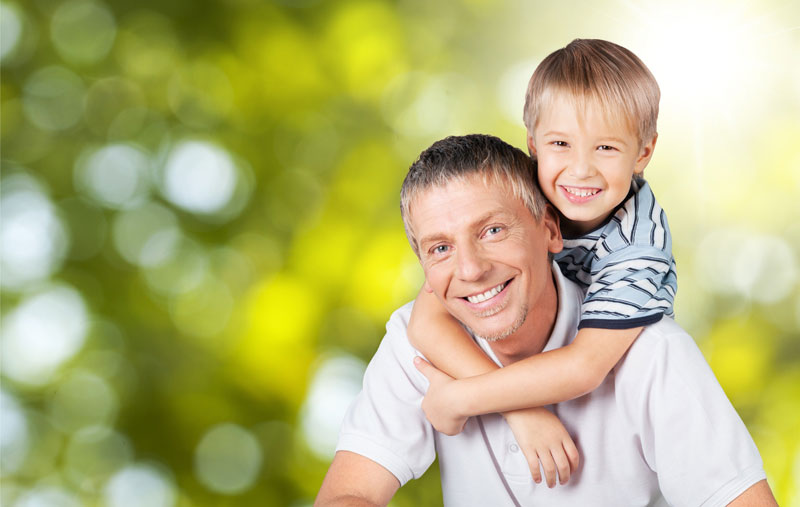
{"type": "Point", "coordinates": [440, 402]}
{"type": "Point", "coordinates": [543, 439]}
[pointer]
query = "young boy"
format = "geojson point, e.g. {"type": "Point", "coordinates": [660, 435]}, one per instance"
{"type": "Point", "coordinates": [590, 112]}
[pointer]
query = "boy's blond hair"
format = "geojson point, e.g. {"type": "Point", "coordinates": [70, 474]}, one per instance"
{"type": "Point", "coordinates": [599, 72]}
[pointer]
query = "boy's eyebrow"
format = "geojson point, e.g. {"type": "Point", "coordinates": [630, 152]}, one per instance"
{"type": "Point", "coordinates": [607, 138]}
{"type": "Point", "coordinates": [614, 139]}
{"type": "Point", "coordinates": [554, 133]}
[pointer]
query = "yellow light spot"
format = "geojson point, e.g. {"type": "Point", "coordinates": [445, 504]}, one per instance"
{"type": "Point", "coordinates": [380, 282]}
{"type": "Point", "coordinates": [740, 353]}
{"type": "Point", "coordinates": [274, 355]}
{"type": "Point", "coordinates": [365, 46]}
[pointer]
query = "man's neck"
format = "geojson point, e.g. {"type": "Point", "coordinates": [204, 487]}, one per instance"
{"type": "Point", "coordinates": [533, 335]}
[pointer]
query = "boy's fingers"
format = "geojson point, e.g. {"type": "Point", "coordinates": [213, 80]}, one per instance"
{"type": "Point", "coordinates": [562, 464]}
{"type": "Point", "coordinates": [572, 455]}
{"type": "Point", "coordinates": [426, 368]}
{"type": "Point", "coordinates": [549, 467]}
{"type": "Point", "coordinates": [533, 464]}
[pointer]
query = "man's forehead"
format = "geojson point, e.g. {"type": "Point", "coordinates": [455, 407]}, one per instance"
{"type": "Point", "coordinates": [440, 209]}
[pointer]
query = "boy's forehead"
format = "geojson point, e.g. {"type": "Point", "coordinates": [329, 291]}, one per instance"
{"type": "Point", "coordinates": [560, 103]}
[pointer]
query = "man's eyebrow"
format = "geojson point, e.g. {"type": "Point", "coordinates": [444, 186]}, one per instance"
{"type": "Point", "coordinates": [482, 220]}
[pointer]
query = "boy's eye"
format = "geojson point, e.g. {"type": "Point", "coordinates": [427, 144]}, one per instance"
{"type": "Point", "coordinates": [605, 147]}
{"type": "Point", "coordinates": [560, 143]}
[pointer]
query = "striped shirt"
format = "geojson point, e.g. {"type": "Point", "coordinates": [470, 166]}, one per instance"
{"type": "Point", "coordinates": [625, 265]}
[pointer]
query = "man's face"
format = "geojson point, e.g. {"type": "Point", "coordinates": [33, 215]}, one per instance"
{"type": "Point", "coordinates": [585, 162]}
{"type": "Point", "coordinates": [484, 254]}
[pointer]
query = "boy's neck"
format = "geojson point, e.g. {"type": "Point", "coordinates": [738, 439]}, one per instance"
{"type": "Point", "coordinates": [573, 229]}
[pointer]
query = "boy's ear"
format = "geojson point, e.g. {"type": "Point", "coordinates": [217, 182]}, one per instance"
{"type": "Point", "coordinates": [645, 154]}
{"type": "Point", "coordinates": [531, 146]}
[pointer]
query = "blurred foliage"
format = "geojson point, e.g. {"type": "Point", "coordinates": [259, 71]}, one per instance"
{"type": "Point", "coordinates": [201, 239]}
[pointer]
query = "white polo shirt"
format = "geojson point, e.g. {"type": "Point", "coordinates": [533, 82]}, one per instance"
{"type": "Point", "coordinates": [658, 431]}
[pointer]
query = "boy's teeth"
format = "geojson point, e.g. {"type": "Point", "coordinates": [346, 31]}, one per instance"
{"type": "Point", "coordinates": [581, 192]}
{"type": "Point", "coordinates": [480, 298]}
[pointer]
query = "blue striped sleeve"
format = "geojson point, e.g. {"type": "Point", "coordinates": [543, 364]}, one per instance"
{"type": "Point", "coordinates": [631, 287]}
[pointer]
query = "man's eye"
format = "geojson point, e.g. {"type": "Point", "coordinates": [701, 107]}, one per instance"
{"type": "Point", "coordinates": [494, 230]}
{"type": "Point", "coordinates": [440, 249]}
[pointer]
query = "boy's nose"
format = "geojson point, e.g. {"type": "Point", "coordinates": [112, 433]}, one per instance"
{"type": "Point", "coordinates": [581, 166]}
{"type": "Point", "coordinates": [470, 264]}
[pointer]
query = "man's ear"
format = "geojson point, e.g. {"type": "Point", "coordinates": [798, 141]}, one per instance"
{"type": "Point", "coordinates": [427, 287]}
{"type": "Point", "coordinates": [645, 154]}
{"type": "Point", "coordinates": [551, 222]}
{"type": "Point", "coordinates": [531, 146]}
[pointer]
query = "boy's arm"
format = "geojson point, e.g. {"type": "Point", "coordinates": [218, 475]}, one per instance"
{"type": "Point", "coordinates": [443, 341]}
{"type": "Point", "coordinates": [550, 377]}
{"type": "Point", "coordinates": [539, 433]}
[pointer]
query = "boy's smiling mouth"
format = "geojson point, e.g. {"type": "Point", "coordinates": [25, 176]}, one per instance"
{"type": "Point", "coordinates": [579, 194]}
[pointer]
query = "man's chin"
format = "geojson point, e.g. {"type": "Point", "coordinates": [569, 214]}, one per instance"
{"type": "Point", "coordinates": [494, 334]}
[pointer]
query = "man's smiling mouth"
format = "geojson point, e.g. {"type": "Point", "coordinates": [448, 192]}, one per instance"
{"type": "Point", "coordinates": [480, 298]}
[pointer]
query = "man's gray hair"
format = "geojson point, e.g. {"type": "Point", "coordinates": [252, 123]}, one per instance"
{"type": "Point", "coordinates": [460, 157]}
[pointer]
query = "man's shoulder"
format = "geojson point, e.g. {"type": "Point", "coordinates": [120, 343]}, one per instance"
{"type": "Point", "coordinates": [659, 338]}
{"type": "Point", "coordinates": [660, 346]}
{"type": "Point", "coordinates": [397, 324]}
{"type": "Point", "coordinates": [396, 341]}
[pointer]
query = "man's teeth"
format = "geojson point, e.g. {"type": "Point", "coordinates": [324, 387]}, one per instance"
{"type": "Point", "coordinates": [581, 192]}
{"type": "Point", "coordinates": [480, 298]}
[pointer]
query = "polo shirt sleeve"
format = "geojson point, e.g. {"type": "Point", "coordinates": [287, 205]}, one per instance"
{"type": "Point", "coordinates": [690, 434]}
{"type": "Point", "coordinates": [631, 287]}
{"type": "Point", "coordinates": [386, 423]}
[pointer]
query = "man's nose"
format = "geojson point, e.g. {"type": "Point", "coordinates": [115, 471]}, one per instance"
{"type": "Point", "coordinates": [471, 264]}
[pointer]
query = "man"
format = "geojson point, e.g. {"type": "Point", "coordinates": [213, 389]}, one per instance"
{"type": "Point", "coordinates": [658, 431]}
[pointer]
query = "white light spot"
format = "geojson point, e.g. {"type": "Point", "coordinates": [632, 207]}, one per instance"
{"type": "Point", "coordinates": [13, 434]}
{"type": "Point", "coordinates": [138, 485]}
{"type": "Point", "coordinates": [93, 454]}
{"type": "Point", "coordinates": [184, 271]}
{"type": "Point", "coordinates": [115, 176]}
{"type": "Point", "coordinates": [228, 459]}
{"type": "Point", "coordinates": [199, 177]}
{"type": "Point", "coordinates": [41, 333]}
{"type": "Point", "coordinates": [82, 399]}
{"type": "Point", "coordinates": [47, 496]}
{"type": "Point", "coordinates": [10, 29]}
{"type": "Point", "coordinates": [736, 262]}
{"type": "Point", "coordinates": [33, 240]}
{"type": "Point", "coordinates": [764, 268]}
{"type": "Point", "coordinates": [146, 236]}
{"type": "Point", "coordinates": [204, 311]}
{"type": "Point", "coordinates": [83, 31]}
{"type": "Point", "coordinates": [335, 386]}
{"type": "Point", "coordinates": [511, 90]}
{"type": "Point", "coordinates": [53, 98]}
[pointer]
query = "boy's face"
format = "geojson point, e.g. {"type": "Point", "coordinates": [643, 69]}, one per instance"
{"type": "Point", "coordinates": [585, 162]}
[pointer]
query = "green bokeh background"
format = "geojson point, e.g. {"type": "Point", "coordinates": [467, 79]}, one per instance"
{"type": "Point", "coordinates": [217, 320]}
